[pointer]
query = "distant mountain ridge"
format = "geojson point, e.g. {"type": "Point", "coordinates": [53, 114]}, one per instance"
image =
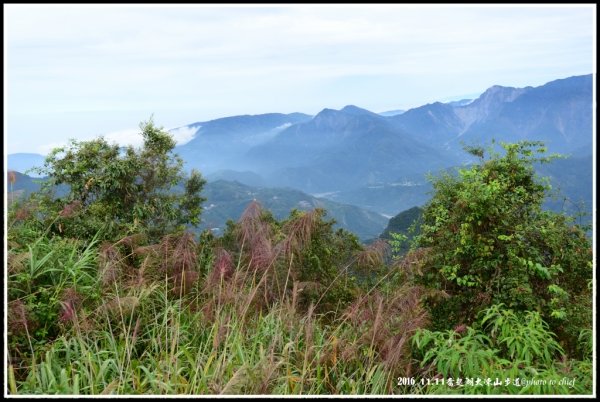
{"type": "Point", "coordinates": [573, 177]}
{"type": "Point", "coordinates": [340, 150]}
{"type": "Point", "coordinates": [559, 111]}
{"type": "Point", "coordinates": [358, 157]}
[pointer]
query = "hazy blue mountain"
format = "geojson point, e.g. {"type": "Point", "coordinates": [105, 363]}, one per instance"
{"type": "Point", "coordinates": [559, 111]}
{"type": "Point", "coordinates": [434, 124]}
{"type": "Point", "coordinates": [389, 198]}
{"type": "Point", "coordinates": [351, 109]}
{"type": "Point", "coordinates": [572, 176]}
{"type": "Point", "coordinates": [378, 161]}
{"type": "Point", "coordinates": [583, 151]}
{"type": "Point", "coordinates": [392, 112]}
{"type": "Point", "coordinates": [337, 150]}
{"type": "Point", "coordinates": [227, 200]}
{"type": "Point", "coordinates": [297, 145]}
{"type": "Point", "coordinates": [247, 178]}
{"type": "Point", "coordinates": [353, 148]}
{"type": "Point", "coordinates": [218, 144]}
{"type": "Point", "coordinates": [21, 162]}
{"type": "Point", "coordinates": [22, 182]}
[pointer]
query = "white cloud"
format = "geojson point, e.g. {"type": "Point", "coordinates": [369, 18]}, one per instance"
{"type": "Point", "coordinates": [45, 149]}
{"type": "Point", "coordinates": [132, 136]}
{"type": "Point", "coordinates": [283, 126]}
{"type": "Point", "coordinates": [184, 134]}
{"type": "Point", "coordinates": [126, 137]}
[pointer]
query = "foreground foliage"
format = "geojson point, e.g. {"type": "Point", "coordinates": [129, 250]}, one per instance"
{"type": "Point", "coordinates": [294, 307]}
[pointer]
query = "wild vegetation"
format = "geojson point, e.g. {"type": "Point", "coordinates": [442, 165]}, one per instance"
{"type": "Point", "coordinates": [108, 293]}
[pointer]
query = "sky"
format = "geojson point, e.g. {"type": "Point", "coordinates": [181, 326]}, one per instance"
{"type": "Point", "coordinates": [81, 71]}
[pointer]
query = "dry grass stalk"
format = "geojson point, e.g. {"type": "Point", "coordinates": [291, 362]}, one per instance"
{"type": "Point", "coordinates": [71, 296]}
{"type": "Point", "coordinates": [415, 260]}
{"type": "Point", "coordinates": [223, 330]}
{"type": "Point", "coordinates": [250, 219]}
{"type": "Point", "coordinates": [165, 252]}
{"type": "Point", "coordinates": [236, 380]}
{"type": "Point", "coordinates": [267, 367]}
{"type": "Point", "coordinates": [263, 374]}
{"type": "Point", "coordinates": [132, 240]}
{"type": "Point", "coordinates": [135, 331]}
{"type": "Point", "coordinates": [68, 313]}
{"type": "Point", "coordinates": [389, 323]}
{"type": "Point", "coordinates": [12, 177]}
{"type": "Point", "coordinates": [294, 297]}
{"type": "Point", "coordinates": [299, 232]}
{"type": "Point", "coordinates": [308, 331]}
{"type": "Point", "coordinates": [121, 304]}
{"type": "Point", "coordinates": [222, 267]}
{"type": "Point", "coordinates": [184, 255]}
{"type": "Point", "coordinates": [110, 387]}
{"type": "Point", "coordinates": [254, 236]}
{"type": "Point", "coordinates": [138, 276]}
{"type": "Point", "coordinates": [15, 261]}
{"type": "Point", "coordinates": [17, 317]}
{"type": "Point", "coordinates": [373, 256]}
{"type": "Point", "coordinates": [110, 262]}
{"type": "Point", "coordinates": [184, 281]}
{"type": "Point", "coordinates": [70, 209]}
{"type": "Point", "coordinates": [151, 250]}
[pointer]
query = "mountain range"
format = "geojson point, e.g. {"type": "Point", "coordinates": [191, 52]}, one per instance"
{"type": "Point", "coordinates": [379, 161]}
{"type": "Point", "coordinates": [342, 150]}
{"type": "Point", "coordinates": [559, 111]}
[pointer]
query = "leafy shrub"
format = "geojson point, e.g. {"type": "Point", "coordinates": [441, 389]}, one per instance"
{"type": "Point", "coordinates": [119, 192]}
{"type": "Point", "coordinates": [485, 240]}
{"type": "Point", "coordinates": [505, 347]}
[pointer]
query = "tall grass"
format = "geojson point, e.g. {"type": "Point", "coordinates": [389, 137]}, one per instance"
{"type": "Point", "coordinates": [240, 316]}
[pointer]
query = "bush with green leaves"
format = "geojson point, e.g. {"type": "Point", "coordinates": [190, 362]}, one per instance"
{"type": "Point", "coordinates": [119, 191]}
{"type": "Point", "coordinates": [506, 347]}
{"type": "Point", "coordinates": [486, 240]}
{"type": "Point", "coordinates": [46, 282]}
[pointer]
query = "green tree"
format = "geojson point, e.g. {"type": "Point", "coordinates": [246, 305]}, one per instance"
{"type": "Point", "coordinates": [485, 240]}
{"type": "Point", "coordinates": [141, 190]}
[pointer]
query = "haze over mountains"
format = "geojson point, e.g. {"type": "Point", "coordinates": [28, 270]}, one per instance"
{"type": "Point", "coordinates": [379, 161]}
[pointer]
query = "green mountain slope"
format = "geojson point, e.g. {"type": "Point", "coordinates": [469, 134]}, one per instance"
{"type": "Point", "coordinates": [227, 200]}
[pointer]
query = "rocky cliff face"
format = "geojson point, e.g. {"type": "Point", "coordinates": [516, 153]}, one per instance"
{"type": "Point", "coordinates": [487, 105]}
